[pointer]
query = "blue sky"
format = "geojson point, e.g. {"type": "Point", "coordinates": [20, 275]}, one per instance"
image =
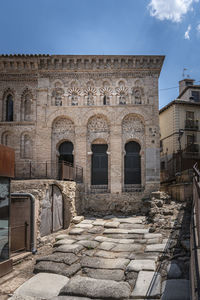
{"type": "Point", "coordinates": [163, 27]}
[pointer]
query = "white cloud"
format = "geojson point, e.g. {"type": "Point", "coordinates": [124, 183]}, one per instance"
{"type": "Point", "coordinates": [172, 10]}
{"type": "Point", "coordinates": [198, 28]}
{"type": "Point", "coordinates": [187, 33]}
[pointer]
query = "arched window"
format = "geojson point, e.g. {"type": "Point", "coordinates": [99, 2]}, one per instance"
{"type": "Point", "coordinates": [9, 108]}
{"type": "Point", "coordinates": [27, 107]}
{"type": "Point", "coordinates": [26, 146]}
{"type": "Point", "coordinates": [99, 164]}
{"type": "Point", "coordinates": [6, 139]}
{"type": "Point", "coordinates": [66, 152]}
{"type": "Point", "coordinates": [104, 100]}
{"type": "Point", "coordinates": [132, 163]}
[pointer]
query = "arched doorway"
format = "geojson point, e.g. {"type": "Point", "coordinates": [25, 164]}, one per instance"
{"type": "Point", "coordinates": [66, 152]}
{"type": "Point", "coordinates": [132, 163]}
{"type": "Point", "coordinates": [99, 174]}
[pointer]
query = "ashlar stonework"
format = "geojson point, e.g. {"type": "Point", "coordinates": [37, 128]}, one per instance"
{"type": "Point", "coordinates": [102, 110]}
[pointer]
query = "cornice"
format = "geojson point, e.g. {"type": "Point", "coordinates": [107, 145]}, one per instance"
{"type": "Point", "coordinates": [77, 63]}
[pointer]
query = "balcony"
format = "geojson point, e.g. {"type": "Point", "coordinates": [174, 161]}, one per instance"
{"type": "Point", "coordinates": [191, 151]}
{"type": "Point", "coordinates": [191, 125]}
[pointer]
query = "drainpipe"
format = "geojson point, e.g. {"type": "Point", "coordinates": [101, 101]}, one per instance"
{"type": "Point", "coordinates": [32, 198]}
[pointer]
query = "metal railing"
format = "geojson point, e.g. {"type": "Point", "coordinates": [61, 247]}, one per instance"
{"type": "Point", "coordinates": [48, 170]}
{"type": "Point", "coordinates": [131, 188]}
{"type": "Point", "coordinates": [191, 124]}
{"type": "Point", "coordinates": [195, 238]}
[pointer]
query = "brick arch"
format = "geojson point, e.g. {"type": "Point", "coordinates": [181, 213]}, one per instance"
{"type": "Point", "coordinates": [26, 145]}
{"type": "Point", "coordinates": [6, 93]}
{"type": "Point", "coordinates": [27, 106]}
{"type": "Point", "coordinates": [6, 138]}
{"type": "Point", "coordinates": [128, 111]}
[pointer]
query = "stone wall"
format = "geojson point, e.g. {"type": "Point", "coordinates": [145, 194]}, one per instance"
{"type": "Point", "coordinates": [40, 188]}
{"type": "Point", "coordinates": [84, 100]}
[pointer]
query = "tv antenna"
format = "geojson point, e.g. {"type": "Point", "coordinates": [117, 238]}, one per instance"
{"type": "Point", "coordinates": [184, 72]}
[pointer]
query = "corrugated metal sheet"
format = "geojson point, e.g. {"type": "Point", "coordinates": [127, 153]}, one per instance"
{"type": "Point", "coordinates": [7, 161]}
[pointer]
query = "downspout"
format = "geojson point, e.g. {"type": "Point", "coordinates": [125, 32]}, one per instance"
{"type": "Point", "coordinates": [32, 198]}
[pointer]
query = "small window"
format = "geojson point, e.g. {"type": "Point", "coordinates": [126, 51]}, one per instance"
{"type": "Point", "coordinates": [162, 165]}
{"type": "Point", "coordinates": [104, 100]}
{"type": "Point", "coordinates": [189, 115]}
{"type": "Point", "coordinates": [190, 139]}
{"type": "Point", "coordinates": [195, 96]}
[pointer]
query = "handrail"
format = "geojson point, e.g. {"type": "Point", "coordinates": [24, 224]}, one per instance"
{"type": "Point", "coordinates": [195, 236]}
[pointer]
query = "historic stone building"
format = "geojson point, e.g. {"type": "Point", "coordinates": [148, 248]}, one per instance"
{"type": "Point", "coordinates": [96, 112]}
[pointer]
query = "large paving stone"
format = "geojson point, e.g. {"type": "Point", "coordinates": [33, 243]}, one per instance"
{"type": "Point", "coordinates": [42, 285]}
{"type": "Point", "coordinates": [111, 240]}
{"type": "Point", "coordinates": [20, 297]}
{"type": "Point", "coordinates": [57, 268]}
{"type": "Point", "coordinates": [138, 231]}
{"type": "Point", "coordinates": [64, 242]}
{"type": "Point", "coordinates": [153, 241]}
{"type": "Point", "coordinates": [69, 298]}
{"type": "Point", "coordinates": [104, 263]}
{"type": "Point", "coordinates": [106, 246]}
{"type": "Point", "coordinates": [139, 265]}
{"type": "Point", "coordinates": [84, 226]}
{"type": "Point", "coordinates": [132, 220]}
{"type": "Point", "coordinates": [146, 255]}
{"type": "Point", "coordinates": [127, 248]}
{"type": "Point", "coordinates": [76, 231]}
{"type": "Point", "coordinates": [82, 237]}
{"type": "Point", "coordinates": [131, 226]}
{"type": "Point", "coordinates": [89, 244]}
{"type": "Point", "coordinates": [176, 289]}
{"type": "Point", "coordinates": [109, 254]}
{"type": "Point", "coordinates": [96, 288]}
{"type": "Point", "coordinates": [116, 231]}
{"type": "Point", "coordinates": [152, 235]}
{"type": "Point", "coordinates": [74, 248]}
{"type": "Point", "coordinates": [113, 224]}
{"type": "Point", "coordinates": [77, 219]}
{"type": "Point", "coordinates": [96, 229]}
{"type": "Point", "coordinates": [99, 223]}
{"type": "Point", "coordinates": [117, 275]}
{"type": "Point", "coordinates": [124, 236]}
{"type": "Point", "coordinates": [87, 221]}
{"type": "Point", "coordinates": [155, 248]}
{"type": "Point", "coordinates": [67, 258]}
{"type": "Point", "coordinates": [147, 285]}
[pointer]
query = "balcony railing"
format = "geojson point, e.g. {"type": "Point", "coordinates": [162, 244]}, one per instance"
{"type": "Point", "coordinates": [48, 170]}
{"type": "Point", "coordinates": [191, 125]}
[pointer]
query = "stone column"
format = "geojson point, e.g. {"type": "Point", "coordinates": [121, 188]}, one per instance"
{"type": "Point", "coordinates": [80, 149]}
{"type": "Point", "coordinates": [116, 157]}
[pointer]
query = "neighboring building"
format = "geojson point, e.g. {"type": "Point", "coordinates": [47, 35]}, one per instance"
{"type": "Point", "coordinates": [180, 129]}
{"type": "Point", "coordinates": [96, 112]}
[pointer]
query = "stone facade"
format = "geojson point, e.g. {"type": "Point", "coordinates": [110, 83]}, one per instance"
{"type": "Point", "coordinates": [85, 100]}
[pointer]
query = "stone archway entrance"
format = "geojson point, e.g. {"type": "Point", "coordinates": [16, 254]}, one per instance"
{"type": "Point", "coordinates": [99, 170]}
{"type": "Point", "coordinates": [132, 163]}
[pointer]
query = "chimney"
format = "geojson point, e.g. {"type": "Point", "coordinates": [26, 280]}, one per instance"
{"type": "Point", "coordinates": [184, 83]}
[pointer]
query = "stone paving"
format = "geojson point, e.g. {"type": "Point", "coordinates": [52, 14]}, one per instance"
{"type": "Point", "coordinates": [107, 258]}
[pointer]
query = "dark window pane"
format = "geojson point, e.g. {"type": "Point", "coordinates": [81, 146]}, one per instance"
{"type": "Point", "coordinates": [9, 109]}
{"type": "Point", "coordinates": [195, 95]}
